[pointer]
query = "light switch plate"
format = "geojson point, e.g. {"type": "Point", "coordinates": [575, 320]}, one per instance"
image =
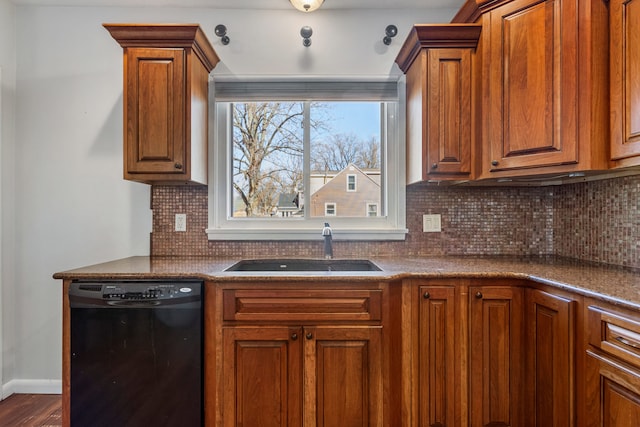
{"type": "Point", "coordinates": [431, 223]}
{"type": "Point", "coordinates": [181, 222]}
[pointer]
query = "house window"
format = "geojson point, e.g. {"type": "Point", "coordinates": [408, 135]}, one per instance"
{"type": "Point", "coordinates": [372, 209]}
{"type": "Point", "coordinates": [284, 154]}
{"type": "Point", "coordinates": [330, 209]}
{"type": "Point", "coordinates": [351, 183]}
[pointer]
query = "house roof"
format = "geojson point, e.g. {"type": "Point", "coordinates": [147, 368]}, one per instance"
{"type": "Point", "coordinates": [288, 201]}
{"type": "Point", "coordinates": [350, 169]}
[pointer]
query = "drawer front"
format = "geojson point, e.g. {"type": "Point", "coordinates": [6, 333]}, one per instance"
{"type": "Point", "coordinates": [301, 305]}
{"type": "Point", "coordinates": [616, 334]}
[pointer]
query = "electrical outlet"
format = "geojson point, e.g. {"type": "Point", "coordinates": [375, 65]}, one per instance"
{"type": "Point", "coordinates": [181, 222]}
{"type": "Point", "coordinates": [431, 223]}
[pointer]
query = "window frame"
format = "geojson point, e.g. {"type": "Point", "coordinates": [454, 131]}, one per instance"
{"type": "Point", "coordinates": [355, 183]}
{"type": "Point", "coordinates": [392, 226]}
{"type": "Point", "coordinates": [326, 208]}
{"type": "Point", "coordinates": [368, 212]}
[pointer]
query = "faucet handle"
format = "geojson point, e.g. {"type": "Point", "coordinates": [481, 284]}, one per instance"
{"type": "Point", "coordinates": [326, 231]}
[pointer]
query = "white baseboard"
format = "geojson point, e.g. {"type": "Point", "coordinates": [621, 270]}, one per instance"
{"type": "Point", "coordinates": [31, 387]}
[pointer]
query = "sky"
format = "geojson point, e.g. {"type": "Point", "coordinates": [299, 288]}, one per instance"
{"type": "Point", "coordinates": [361, 118]}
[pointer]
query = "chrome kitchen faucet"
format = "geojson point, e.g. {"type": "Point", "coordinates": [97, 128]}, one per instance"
{"type": "Point", "coordinates": [328, 246]}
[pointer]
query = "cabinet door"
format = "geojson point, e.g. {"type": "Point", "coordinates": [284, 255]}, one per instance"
{"type": "Point", "coordinates": [441, 87]}
{"type": "Point", "coordinates": [550, 359]}
{"type": "Point", "coordinates": [532, 79]}
{"type": "Point", "coordinates": [343, 376]}
{"type": "Point", "coordinates": [437, 357]}
{"type": "Point", "coordinates": [497, 362]}
{"type": "Point", "coordinates": [620, 406]}
{"type": "Point", "coordinates": [448, 107]}
{"type": "Point", "coordinates": [262, 376]}
{"type": "Point", "coordinates": [154, 111]}
{"type": "Point", "coordinates": [625, 84]}
{"type": "Point", "coordinates": [618, 387]}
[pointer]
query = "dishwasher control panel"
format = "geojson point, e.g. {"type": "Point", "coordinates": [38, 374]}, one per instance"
{"type": "Point", "coordinates": [139, 293]}
{"type": "Point", "coordinates": [134, 291]}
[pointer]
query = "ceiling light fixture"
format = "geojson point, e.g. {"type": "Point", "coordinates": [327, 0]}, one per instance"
{"type": "Point", "coordinates": [306, 5]}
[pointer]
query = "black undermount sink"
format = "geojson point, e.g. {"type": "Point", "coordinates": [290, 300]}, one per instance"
{"type": "Point", "coordinates": [271, 265]}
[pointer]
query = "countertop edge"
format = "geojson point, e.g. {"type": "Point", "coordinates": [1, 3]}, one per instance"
{"type": "Point", "coordinates": [553, 273]}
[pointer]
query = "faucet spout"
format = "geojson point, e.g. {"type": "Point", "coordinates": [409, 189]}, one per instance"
{"type": "Point", "coordinates": [328, 245]}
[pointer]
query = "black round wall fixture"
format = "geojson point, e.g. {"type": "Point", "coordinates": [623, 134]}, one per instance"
{"type": "Point", "coordinates": [390, 32]}
{"type": "Point", "coordinates": [221, 31]}
{"type": "Point", "coordinates": [306, 33]}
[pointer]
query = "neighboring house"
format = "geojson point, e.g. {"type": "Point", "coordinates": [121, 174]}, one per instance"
{"type": "Point", "coordinates": [350, 192]}
{"type": "Point", "coordinates": [288, 205]}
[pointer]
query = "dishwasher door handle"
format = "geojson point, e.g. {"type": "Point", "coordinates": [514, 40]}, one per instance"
{"type": "Point", "coordinates": [133, 303]}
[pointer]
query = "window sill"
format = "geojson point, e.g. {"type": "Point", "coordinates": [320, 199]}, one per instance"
{"type": "Point", "coordinates": [305, 234]}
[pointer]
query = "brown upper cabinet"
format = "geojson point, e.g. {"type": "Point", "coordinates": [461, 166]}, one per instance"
{"type": "Point", "coordinates": [624, 42]}
{"type": "Point", "coordinates": [437, 60]}
{"type": "Point", "coordinates": [166, 74]}
{"type": "Point", "coordinates": [522, 92]}
{"type": "Point", "coordinates": [544, 77]}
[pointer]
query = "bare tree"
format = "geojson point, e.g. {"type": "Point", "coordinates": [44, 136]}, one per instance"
{"type": "Point", "coordinates": [268, 151]}
{"type": "Point", "coordinates": [267, 138]}
{"type": "Point", "coordinates": [369, 154]}
{"type": "Point", "coordinates": [344, 149]}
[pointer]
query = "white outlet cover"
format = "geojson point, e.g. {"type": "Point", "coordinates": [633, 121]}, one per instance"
{"type": "Point", "coordinates": [181, 222]}
{"type": "Point", "coordinates": [431, 223]}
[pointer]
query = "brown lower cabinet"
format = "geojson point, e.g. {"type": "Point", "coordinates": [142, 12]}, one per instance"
{"type": "Point", "coordinates": [436, 353]}
{"type": "Point", "coordinates": [302, 376]}
{"type": "Point", "coordinates": [302, 355]}
{"type": "Point", "coordinates": [479, 353]}
{"type": "Point", "coordinates": [414, 352]}
{"type": "Point", "coordinates": [550, 359]}
{"type": "Point", "coordinates": [492, 353]}
{"type": "Point", "coordinates": [613, 366]}
{"type": "Point", "coordinates": [262, 376]}
{"type": "Point", "coordinates": [496, 356]}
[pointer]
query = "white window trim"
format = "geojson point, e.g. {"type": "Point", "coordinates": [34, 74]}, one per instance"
{"type": "Point", "coordinates": [335, 209]}
{"type": "Point", "coordinates": [389, 227]}
{"type": "Point", "coordinates": [355, 183]}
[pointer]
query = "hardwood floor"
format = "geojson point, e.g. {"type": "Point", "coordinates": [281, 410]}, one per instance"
{"type": "Point", "coordinates": [31, 410]}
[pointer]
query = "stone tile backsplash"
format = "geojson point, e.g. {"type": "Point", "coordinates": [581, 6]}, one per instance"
{"type": "Point", "coordinates": [597, 221]}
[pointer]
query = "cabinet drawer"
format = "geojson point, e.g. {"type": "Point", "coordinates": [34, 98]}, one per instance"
{"type": "Point", "coordinates": [300, 305]}
{"type": "Point", "coordinates": [616, 334]}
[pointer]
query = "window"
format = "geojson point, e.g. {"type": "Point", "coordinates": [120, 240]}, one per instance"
{"type": "Point", "coordinates": [330, 209]}
{"type": "Point", "coordinates": [351, 182]}
{"type": "Point", "coordinates": [285, 154]}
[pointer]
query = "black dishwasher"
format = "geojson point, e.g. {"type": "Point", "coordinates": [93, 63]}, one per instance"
{"type": "Point", "coordinates": [136, 354]}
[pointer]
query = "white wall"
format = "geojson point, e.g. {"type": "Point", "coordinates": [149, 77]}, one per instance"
{"type": "Point", "coordinates": [7, 119]}
{"type": "Point", "coordinates": [72, 207]}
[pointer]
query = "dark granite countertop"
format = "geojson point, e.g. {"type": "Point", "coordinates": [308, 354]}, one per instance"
{"type": "Point", "coordinates": [614, 284]}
